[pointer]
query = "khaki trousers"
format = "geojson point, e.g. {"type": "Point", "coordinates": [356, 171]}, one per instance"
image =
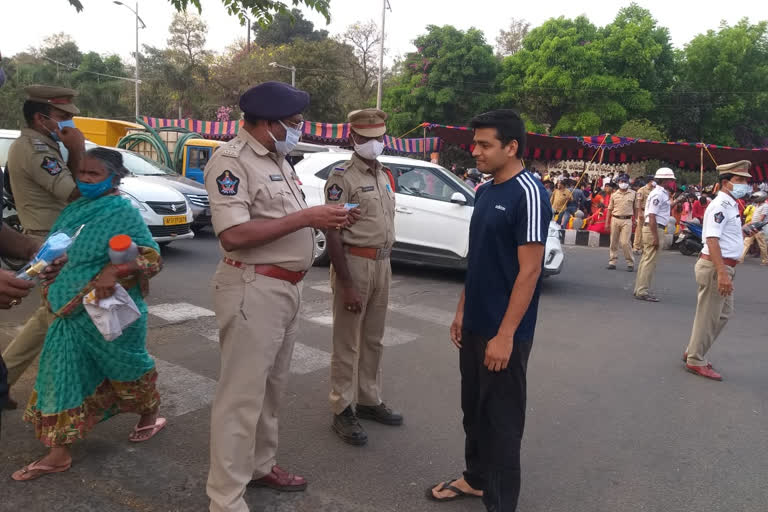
{"type": "Point", "coordinates": [26, 346]}
{"type": "Point", "coordinates": [647, 267]}
{"type": "Point", "coordinates": [258, 320]}
{"type": "Point", "coordinates": [621, 230]}
{"type": "Point", "coordinates": [712, 312]}
{"type": "Point", "coordinates": [357, 338]}
{"type": "Point", "coordinates": [638, 243]}
{"type": "Point", "coordinates": [760, 239]}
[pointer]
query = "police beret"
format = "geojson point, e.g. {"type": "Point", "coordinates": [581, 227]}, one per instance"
{"type": "Point", "coordinates": [59, 97]}
{"type": "Point", "coordinates": [740, 168]}
{"type": "Point", "coordinates": [273, 101]}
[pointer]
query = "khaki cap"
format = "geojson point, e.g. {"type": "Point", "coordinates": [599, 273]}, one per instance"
{"type": "Point", "coordinates": [740, 168]}
{"type": "Point", "coordinates": [368, 122]}
{"type": "Point", "coordinates": [59, 97]}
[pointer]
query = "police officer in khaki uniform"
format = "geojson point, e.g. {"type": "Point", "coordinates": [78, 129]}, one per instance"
{"type": "Point", "coordinates": [42, 185]}
{"type": "Point", "coordinates": [266, 233]}
{"type": "Point", "coordinates": [360, 279]}
{"type": "Point", "coordinates": [619, 221]}
{"type": "Point", "coordinates": [641, 199]}
{"type": "Point", "coordinates": [716, 268]}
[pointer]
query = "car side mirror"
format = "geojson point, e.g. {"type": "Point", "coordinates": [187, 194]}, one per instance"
{"type": "Point", "coordinates": [458, 198]}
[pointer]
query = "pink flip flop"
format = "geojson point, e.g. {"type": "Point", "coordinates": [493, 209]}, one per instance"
{"type": "Point", "coordinates": [157, 427]}
{"type": "Point", "coordinates": [36, 470]}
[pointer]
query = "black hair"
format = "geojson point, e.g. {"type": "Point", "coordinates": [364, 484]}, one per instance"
{"type": "Point", "coordinates": [251, 119]}
{"type": "Point", "coordinates": [31, 108]}
{"type": "Point", "coordinates": [509, 126]}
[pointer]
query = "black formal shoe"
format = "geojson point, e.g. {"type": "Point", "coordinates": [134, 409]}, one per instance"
{"type": "Point", "coordinates": [380, 413]}
{"type": "Point", "coordinates": [11, 404]}
{"type": "Point", "coordinates": [348, 428]}
{"type": "Point", "coordinates": [611, 266]}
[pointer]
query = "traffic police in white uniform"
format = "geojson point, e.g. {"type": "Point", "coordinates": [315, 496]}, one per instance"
{"type": "Point", "coordinates": [724, 243]}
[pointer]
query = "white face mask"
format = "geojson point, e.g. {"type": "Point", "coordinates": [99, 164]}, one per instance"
{"type": "Point", "coordinates": [369, 150]}
{"type": "Point", "coordinates": [623, 186]}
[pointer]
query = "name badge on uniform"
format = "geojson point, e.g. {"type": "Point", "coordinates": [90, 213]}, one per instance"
{"type": "Point", "coordinates": [228, 183]}
{"type": "Point", "coordinates": [369, 188]}
{"type": "Point", "coordinates": [389, 189]}
{"type": "Point", "coordinates": [276, 177]}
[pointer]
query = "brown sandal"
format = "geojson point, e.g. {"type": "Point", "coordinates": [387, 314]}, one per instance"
{"type": "Point", "coordinates": [36, 470]}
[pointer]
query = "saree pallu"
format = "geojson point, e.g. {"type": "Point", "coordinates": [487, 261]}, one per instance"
{"type": "Point", "coordinates": [82, 378]}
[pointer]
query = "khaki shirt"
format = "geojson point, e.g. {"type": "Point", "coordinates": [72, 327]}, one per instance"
{"type": "Point", "coordinates": [40, 180]}
{"type": "Point", "coordinates": [355, 182]}
{"type": "Point", "coordinates": [559, 199]}
{"type": "Point", "coordinates": [622, 203]}
{"type": "Point", "coordinates": [641, 199]}
{"type": "Point", "coordinates": [246, 182]}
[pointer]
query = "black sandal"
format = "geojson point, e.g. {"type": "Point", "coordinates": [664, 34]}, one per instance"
{"type": "Point", "coordinates": [448, 487]}
{"type": "Point", "coordinates": [647, 298]}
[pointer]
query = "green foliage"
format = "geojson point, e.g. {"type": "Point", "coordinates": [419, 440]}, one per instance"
{"type": "Point", "coordinates": [264, 11]}
{"type": "Point", "coordinates": [448, 80]}
{"type": "Point", "coordinates": [286, 28]}
{"type": "Point", "coordinates": [641, 129]}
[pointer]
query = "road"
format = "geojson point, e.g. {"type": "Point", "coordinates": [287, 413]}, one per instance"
{"type": "Point", "coordinates": [614, 422]}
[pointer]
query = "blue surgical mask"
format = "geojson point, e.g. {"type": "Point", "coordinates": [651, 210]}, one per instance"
{"type": "Point", "coordinates": [61, 124]}
{"type": "Point", "coordinates": [740, 190]}
{"type": "Point", "coordinates": [95, 190]}
{"type": "Point", "coordinates": [292, 136]}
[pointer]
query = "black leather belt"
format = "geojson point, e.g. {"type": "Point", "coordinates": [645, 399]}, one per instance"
{"type": "Point", "coordinates": [622, 217]}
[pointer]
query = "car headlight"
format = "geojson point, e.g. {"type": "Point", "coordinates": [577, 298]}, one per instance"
{"type": "Point", "coordinates": [135, 202]}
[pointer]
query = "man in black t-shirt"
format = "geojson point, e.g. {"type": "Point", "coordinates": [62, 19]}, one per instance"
{"type": "Point", "coordinates": [496, 315]}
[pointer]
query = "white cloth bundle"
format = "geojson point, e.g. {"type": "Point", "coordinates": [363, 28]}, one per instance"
{"type": "Point", "coordinates": [113, 314]}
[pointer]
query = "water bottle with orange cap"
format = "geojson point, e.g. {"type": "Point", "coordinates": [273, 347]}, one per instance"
{"type": "Point", "coordinates": [122, 249]}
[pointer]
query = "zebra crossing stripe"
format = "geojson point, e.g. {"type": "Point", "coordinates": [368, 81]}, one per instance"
{"type": "Point", "coordinates": [179, 312]}
{"type": "Point", "coordinates": [182, 390]}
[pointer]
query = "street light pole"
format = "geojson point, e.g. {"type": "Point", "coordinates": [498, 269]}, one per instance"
{"type": "Point", "coordinates": [384, 5]}
{"type": "Point", "coordinates": [136, 74]}
{"type": "Point", "coordinates": [291, 68]}
{"type": "Point", "coordinates": [249, 32]}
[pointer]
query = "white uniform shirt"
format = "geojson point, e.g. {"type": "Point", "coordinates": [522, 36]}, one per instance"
{"type": "Point", "coordinates": [722, 220]}
{"type": "Point", "coordinates": [658, 204]}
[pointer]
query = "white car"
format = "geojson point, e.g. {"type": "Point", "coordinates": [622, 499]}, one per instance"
{"type": "Point", "coordinates": [166, 211]}
{"type": "Point", "coordinates": [432, 213]}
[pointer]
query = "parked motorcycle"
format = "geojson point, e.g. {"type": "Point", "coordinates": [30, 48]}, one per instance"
{"type": "Point", "coordinates": [689, 240]}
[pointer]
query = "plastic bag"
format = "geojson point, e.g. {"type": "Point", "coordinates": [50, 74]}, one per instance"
{"type": "Point", "coordinates": [55, 246]}
{"type": "Point", "coordinates": [113, 314]}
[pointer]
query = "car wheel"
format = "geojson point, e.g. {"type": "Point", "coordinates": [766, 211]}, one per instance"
{"type": "Point", "coordinates": [321, 249]}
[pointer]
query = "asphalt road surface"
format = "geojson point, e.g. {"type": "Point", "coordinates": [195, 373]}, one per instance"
{"type": "Point", "coordinates": [614, 422]}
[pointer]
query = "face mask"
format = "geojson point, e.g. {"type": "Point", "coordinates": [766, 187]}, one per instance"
{"type": "Point", "coordinates": [292, 136]}
{"type": "Point", "coordinates": [623, 186]}
{"type": "Point", "coordinates": [370, 150]}
{"type": "Point", "coordinates": [95, 190]}
{"type": "Point", "coordinates": [61, 124]}
{"type": "Point", "coordinates": [740, 190]}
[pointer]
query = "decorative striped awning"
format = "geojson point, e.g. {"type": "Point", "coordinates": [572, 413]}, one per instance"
{"type": "Point", "coordinates": [323, 133]}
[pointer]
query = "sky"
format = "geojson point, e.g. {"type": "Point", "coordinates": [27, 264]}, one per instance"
{"type": "Point", "coordinates": [108, 28]}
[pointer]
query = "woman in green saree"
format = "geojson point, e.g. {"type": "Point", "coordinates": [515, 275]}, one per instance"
{"type": "Point", "coordinates": [83, 379]}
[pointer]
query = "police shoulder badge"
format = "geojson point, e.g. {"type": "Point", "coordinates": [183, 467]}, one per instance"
{"type": "Point", "coordinates": [719, 217]}
{"type": "Point", "coordinates": [51, 165]}
{"type": "Point", "coordinates": [228, 183]}
{"type": "Point", "coordinates": [334, 192]}
{"type": "Point", "coordinates": [656, 201]}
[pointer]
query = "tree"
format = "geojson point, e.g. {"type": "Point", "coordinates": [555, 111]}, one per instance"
{"type": "Point", "coordinates": [449, 79]}
{"type": "Point", "coordinates": [510, 41]}
{"type": "Point", "coordinates": [641, 129]}
{"type": "Point", "coordinates": [188, 34]}
{"type": "Point", "coordinates": [364, 40]}
{"type": "Point", "coordinates": [287, 27]}
{"type": "Point", "coordinates": [186, 63]}
{"type": "Point", "coordinates": [263, 10]}
{"type": "Point", "coordinates": [720, 96]}
{"type": "Point", "coordinates": [560, 77]}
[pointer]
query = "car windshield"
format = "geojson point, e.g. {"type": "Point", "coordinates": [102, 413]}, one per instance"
{"type": "Point", "coordinates": [456, 179]}
{"type": "Point", "coordinates": [134, 162]}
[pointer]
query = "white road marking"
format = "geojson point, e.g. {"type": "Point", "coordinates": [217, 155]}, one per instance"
{"type": "Point", "coordinates": [326, 320]}
{"type": "Point", "coordinates": [179, 312]}
{"type": "Point", "coordinates": [181, 390]}
{"type": "Point", "coordinates": [426, 313]}
{"type": "Point", "coordinates": [308, 359]}
{"type": "Point", "coordinates": [393, 336]}
{"type": "Point", "coordinates": [324, 288]}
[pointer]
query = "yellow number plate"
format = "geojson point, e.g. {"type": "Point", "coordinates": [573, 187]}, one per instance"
{"type": "Point", "coordinates": [174, 220]}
